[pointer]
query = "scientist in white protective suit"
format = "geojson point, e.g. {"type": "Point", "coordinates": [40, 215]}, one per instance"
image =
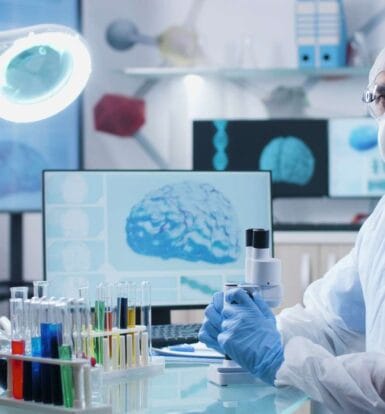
{"type": "Point", "coordinates": [333, 347]}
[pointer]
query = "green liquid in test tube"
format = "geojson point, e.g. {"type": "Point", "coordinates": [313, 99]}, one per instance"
{"type": "Point", "coordinates": [65, 352]}
{"type": "Point", "coordinates": [100, 311]}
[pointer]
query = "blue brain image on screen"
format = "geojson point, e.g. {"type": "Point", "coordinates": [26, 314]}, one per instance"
{"type": "Point", "coordinates": [363, 138]}
{"type": "Point", "coordinates": [13, 178]}
{"type": "Point", "coordinates": [191, 221]}
{"type": "Point", "coordinates": [289, 159]}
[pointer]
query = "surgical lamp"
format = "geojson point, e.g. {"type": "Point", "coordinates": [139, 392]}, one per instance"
{"type": "Point", "coordinates": [43, 69]}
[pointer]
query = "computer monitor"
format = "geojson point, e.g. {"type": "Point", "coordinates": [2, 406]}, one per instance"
{"type": "Point", "coordinates": [184, 231]}
{"type": "Point", "coordinates": [355, 165]}
{"type": "Point", "coordinates": [295, 150]}
{"type": "Point", "coordinates": [28, 149]}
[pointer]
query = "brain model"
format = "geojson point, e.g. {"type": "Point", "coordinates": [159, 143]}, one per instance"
{"type": "Point", "coordinates": [187, 220]}
{"type": "Point", "coordinates": [363, 138]}
{"type": "Point", "coordinates": [290, 160]}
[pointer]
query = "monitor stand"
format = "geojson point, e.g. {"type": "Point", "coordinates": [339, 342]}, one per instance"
{"type": "Point", "coordinates": [160, 315]}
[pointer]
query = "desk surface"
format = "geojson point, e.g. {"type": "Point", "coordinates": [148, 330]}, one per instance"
{"type": "Point", "coordinates": [185, 389]}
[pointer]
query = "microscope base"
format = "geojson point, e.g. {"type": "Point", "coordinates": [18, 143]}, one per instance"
{"type": "Point", "coordinates": [224, 375]}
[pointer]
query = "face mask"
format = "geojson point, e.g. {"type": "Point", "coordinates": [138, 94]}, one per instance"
{"type": "Point", "coordinates": [381, 137]}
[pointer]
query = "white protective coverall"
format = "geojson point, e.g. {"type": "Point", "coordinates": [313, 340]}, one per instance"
{"type": "Point", "coordinates": [335, 343]}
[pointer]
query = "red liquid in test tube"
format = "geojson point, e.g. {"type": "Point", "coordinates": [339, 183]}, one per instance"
{"type": "Point", "coordinates": [18, 348]}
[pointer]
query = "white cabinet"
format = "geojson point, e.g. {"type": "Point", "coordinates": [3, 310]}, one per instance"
{"type": "Point", "coordinates": [299, 264]}
{"type": "Point", "coordinates": [306, 256]}
{"type": "Point", "coordinates": [329, 254]}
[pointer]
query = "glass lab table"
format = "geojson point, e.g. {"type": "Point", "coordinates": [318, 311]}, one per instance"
{"type": "Point", "coordinates": [184, 388]}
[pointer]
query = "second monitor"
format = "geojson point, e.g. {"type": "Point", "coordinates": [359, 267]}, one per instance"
{"type": "Point", "coordinates": [295, 150]}
{"type": "Point", "coordinates": [356, 167]}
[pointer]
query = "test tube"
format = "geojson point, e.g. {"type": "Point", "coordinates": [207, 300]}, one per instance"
{"type": "Point", "coordinates": [46, 350]}
{"type": "Point", "coordinates": [131, 313]}
{"type": "Point", "coordinates": [109, 313]}
{"type": "Point", "coordinates": [40, 289]}
{"type": "Point", "coordinates": [27, 365]}
{"type": "Point", "coordinates": [65, 352]}
{"type": "Point", "coordinates": [56, 334]}
{"type": "Point", "coordinates": [121, 304]}
{"type": "Point", "coordinates": [99, 321]}
{"type": "Point", "coordinates": [80, 318]}
{"type": "Point", "coordinates": [85, 320]}
{"type": "Point", "coordinates": [79, 311]}
{"type": "Point", "coordinates": [109, 306]}
{"type": "Point", "coordinates": [21, 292]}
{"type": "Point", "coordinates": [17, 345]}
{"type": "Point", "coordinates": [35, 348]}
{"type": "Point", "coordinates": [40, 293]}
{"type": "Point", "coordinates": [145, 310]}
{"type": "Point", "coordinates": [131, 304]}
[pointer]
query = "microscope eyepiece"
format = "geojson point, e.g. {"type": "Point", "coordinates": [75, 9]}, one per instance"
{"type": "Point", "coordinates": [260, 239]}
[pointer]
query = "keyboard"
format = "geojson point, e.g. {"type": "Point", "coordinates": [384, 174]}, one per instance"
{"type": "Point", "coordinates": [166, 335]}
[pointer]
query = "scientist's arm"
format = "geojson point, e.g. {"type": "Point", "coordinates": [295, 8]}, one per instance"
{"type": "Point", "coordinates": [323, 339]}
{"type": "Point", "coordinates": [352, 383]}
{"type": "Point", "coordinates": [333, 315]}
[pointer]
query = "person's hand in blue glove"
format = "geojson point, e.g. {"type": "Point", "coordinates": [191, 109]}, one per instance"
{"type": "Point", "coordinates": [249, 335]}
{"type": "Point", "coordinates": [211, 326]}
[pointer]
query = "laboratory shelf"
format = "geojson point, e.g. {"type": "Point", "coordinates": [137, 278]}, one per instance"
{"type": "Point", "coordinates": [259, 73]}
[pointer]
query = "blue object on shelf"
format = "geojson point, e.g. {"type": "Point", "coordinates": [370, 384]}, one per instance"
{"type": "Point", "coordinates": [321, 33]}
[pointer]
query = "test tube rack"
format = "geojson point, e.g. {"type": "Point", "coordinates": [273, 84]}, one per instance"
{"type": "Point", "coordinates": [81, 369]}
{"type": "Point", "coordinates": [125, 352]}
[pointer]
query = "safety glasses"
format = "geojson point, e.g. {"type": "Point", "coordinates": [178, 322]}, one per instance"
{"type": "Point", "coordinates": [374, 96]}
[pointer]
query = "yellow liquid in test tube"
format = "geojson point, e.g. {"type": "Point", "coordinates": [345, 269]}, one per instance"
{"type": "Point", "coordinates": [131, 317]}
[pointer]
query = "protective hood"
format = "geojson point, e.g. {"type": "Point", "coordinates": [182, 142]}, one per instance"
{"type": "Point", "coordinates": [379, 66]}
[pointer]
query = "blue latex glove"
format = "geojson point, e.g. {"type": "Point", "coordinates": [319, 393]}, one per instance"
{"type": "Point", "coordinates": [211, 326]}
{"type": "Point", "coordinates": [249, 335]}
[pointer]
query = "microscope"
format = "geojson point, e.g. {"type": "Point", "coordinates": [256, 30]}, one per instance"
{"type": "Point", "coordinates": [262, 275]}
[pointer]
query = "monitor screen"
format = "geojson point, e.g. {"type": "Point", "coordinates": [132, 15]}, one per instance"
{"type": "Point", "coordinates": [355, 165]}
{"type": "Point", "coordinates": [295, 151]}
{"type": "Point", "coordinates": [27, 149]}
{"type": "Point", "coordinates": [181, 230]}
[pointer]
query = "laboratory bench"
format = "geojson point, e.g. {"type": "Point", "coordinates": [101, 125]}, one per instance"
{"type": "Point", "coordinates": [184, 388]}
